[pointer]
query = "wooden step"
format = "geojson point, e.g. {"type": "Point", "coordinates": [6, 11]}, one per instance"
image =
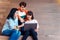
{"type": "Point", "coordinates": [6, 38]}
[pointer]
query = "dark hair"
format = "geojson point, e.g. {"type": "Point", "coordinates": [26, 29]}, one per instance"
{"type": "Point", "coordinates": [22, 4]}
{"type": "Point", "coordinates": [12, 12]}
{"type": "Point", "coordinates": [30, 13]}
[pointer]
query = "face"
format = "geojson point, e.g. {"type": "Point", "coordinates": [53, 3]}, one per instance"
{"type": "Point", "coordinates": [22, 8]}
{"type": "Point", "coordinates": [29, 16]}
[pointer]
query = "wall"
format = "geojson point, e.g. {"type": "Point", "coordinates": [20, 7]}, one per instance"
{"type": "Point", "coordinates": [45, 11]}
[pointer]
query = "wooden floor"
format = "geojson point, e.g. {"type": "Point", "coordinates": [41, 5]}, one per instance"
{"type": "Point", "coordinates": [7, 38]}
{"type": "Point", "coordinates": [47, 14]}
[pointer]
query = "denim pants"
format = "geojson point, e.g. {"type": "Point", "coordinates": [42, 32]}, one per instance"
{"type": "Point", "coordinates": [14, 34]}
{"type": "Point", "coordinates": [30, 32]}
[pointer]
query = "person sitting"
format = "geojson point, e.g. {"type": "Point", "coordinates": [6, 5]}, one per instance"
{"type": "Point", "coordinates": [10, 27]}
{"type": "Point", "coordinates": [32, 32]}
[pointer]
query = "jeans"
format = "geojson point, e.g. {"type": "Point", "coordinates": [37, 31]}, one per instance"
{"type": "Point", "coordinates": [19, 22]}
{"type": "Point", "coordinates": [22, 30]}
{"type": "Point", "coordinates": [14, 34]}
{"type": "Point", "coordinates": [30, 32]}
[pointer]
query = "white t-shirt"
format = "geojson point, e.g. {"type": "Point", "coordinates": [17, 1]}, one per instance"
{"type": "Point", "coordinates": [32, 21]}
{"type": "Point", "coordinates": [20, 13]}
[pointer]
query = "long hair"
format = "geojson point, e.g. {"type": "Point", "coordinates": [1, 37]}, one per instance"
{"type": "Point", "coordinates": [12, 12]}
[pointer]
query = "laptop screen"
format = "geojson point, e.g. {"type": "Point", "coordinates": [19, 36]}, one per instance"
{"type": "Point", "coordinates": [30, 25]}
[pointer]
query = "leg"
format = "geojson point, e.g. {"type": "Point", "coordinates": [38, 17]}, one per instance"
{"type": "Point", "coordinates": [22, 30]}
{"type": "Point", "coordinates": [25, 35]}
{"type": "Point", "coordinates": [7, 32]}
{"type": "Point", "coordinates": [33, 34]}
{"type": "Point", "coordinates": [15, 35]}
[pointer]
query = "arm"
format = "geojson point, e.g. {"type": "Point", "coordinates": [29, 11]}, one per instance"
{"type": "Point", "coordinates": [37, 26]}
{"type": "Point", "coordinates": [21, 19]}
{"type": "Point", "coordinates": [21, 25]}
{"type": "Point", "coordinates": [11, 24]}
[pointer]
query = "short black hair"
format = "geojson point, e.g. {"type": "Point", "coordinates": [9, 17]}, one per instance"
{"type": "Point", "coordinates": [12, 12]}
{"type": "Point", "coordinates": [22, 4]}
{"type": "Point", "coordinates": [30, 13]}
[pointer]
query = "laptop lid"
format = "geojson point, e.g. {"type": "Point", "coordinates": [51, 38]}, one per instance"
{"type": "Point", "coordinates": [28, 26]}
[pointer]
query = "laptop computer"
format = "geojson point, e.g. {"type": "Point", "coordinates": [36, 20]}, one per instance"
{"type": "Point", "coordinates": [28, 26]}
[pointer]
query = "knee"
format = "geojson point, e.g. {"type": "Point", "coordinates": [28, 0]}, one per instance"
{"type": "Point", "coordinates": [19, 33]}
{"type": "Point", "coordinates": [27, 32]}
{"type": "Point", "coordinates": [16, 31]}
{"type": "Point", "coordinates": [31, 29]}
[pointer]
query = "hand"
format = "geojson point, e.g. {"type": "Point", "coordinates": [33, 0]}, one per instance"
{"type": "Point", "coordinates": [36, 30]}
{"type": "Point", "coordinates": [16, 27]}
{"type": "Point", "coordinates": [21, 25]}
